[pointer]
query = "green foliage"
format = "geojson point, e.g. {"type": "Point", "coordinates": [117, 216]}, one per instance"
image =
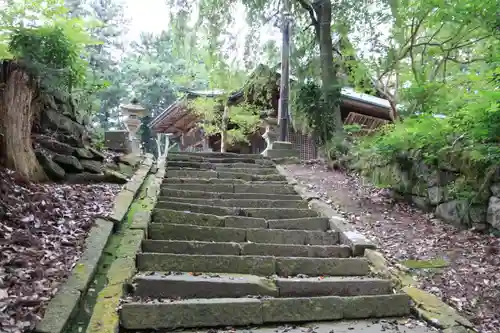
{"type": "Point", "coordinates": [53, 52]}
{"type": "Point", "coordinates": [243, 118]}
{"type": "Point", "coordinates": [308, 101]}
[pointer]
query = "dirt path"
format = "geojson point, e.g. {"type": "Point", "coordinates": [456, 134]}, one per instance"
{"type": "Point", "coordinates": [470, 280]}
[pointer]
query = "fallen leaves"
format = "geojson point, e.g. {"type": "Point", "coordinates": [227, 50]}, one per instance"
{"type": "Point", "coordinates": [470, 281]}
{"type": "Point", "coordinates": [42, 234]}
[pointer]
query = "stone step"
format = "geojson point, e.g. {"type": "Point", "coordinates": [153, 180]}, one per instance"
{"type": "Point", "coordinates": [246, 203]}
{"type": "Point", "coordinates": [303, 223]}
{"type": "Point", "coordinates": [194, 173]}
{"type": "Point", "coordinates": [170, 190]}
{"type": "Point", "coordinates": [259, 265]}
{"type": "Point", "coordinates": [214, 154]}
{"type": "Point", "coordinates": [256, 249]}
{"type": "Point", "coordinates": [267, 213]}
{"type": "Point", "coordinates": [168, 231]}
{"type": "Point", "coordinates": [235, 188]}
{"type": "Point", "coordinates": [183, 180]}
{"type": "Point", "coordinates": [184, 285]}
{"type": "Point", "coordinates": [180, 217]}
{"type": "Point", "coordinates": [259, 171]}
{"type": "Point", "coordinates": [208, 159]}
{"type": "Point", "coordinates": [215, 166]}
{"type": "Point", "coordinates": [214, 312]}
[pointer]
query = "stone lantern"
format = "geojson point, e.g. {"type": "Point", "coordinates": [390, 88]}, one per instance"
{"type": "Point", "coordinates": [133, 114]}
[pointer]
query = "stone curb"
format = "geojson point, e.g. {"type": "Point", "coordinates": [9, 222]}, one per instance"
{"type": "Point", "coordinates": [126, 196]}
{"type": "Point", "coordinates": [65, 303]}
{"type": "Point", "coordinates": [348, 235]}
{"type": "Point", "coordinates": [425, 305]}
{"type": "Point", "coordinates": [105, 317]}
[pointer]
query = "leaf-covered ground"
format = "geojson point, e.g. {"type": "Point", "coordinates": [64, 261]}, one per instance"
{"type": "Point", "coordinates": [42, 234]}
{"type": "Point", "coordinates": [470, 280]}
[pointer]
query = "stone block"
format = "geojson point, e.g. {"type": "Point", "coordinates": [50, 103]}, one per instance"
{"type": "Point", "coordinates": [206, 263]}
{"type": "Point", "coordinates": [190, 247]}
{"type": "Point", "coordinates": [322, 266]}
{"type": "Point", "coordinates": [321, 238]}
{"type": "Point", "coordinates": [191, 313]}
{"type": "Point", "coordinates": [196, 233]}
{"type": "Point", "coordinates": [376, 306]}
{"type": "Point", "coordinates": [279, 213]}
{"type": "Point", "coordinates": [288, 310]}
{"type": "Point", "coordinates": [306, 223]}
{"type": "Point", "coordinates": [332, 286]}
{"type": "Point", "coordinates": [263, 188]}
{"type": "Point", "coordinates": [202, 286]}
{"type": "Point", "coordinates": [275, 250]}
{"type": "Point", "coordinates": [276, 236]}
{"type": "Point", "coordinates": [244, 222]}
{"type": "Point", "coordinates": [179, 217]}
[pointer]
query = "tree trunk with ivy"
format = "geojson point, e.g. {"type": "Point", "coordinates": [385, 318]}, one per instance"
{"type": "Point", "coordinates": [17, 112]}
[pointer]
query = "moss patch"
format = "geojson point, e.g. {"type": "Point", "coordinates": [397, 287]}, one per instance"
{"type": "Point", "coordinates": [422, 264]}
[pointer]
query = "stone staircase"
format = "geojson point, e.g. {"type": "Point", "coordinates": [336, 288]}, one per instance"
{"type": "Point", "coordinates": [232, 244]}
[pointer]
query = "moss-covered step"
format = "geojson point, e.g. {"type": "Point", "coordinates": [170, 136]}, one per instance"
{"type": "Point", "coordinates": [185, 285]}
{"type": "Point", "coordinates": [259, 265]}
{"type": "Point", "coordinates": [267, 213]}
{"type": "Point", "coordinates": [215, 312]}
{"type": "Point", "coordinates": [169, 231]}
{"type": "Point", "coordinates": [255, 249]}
{"type": "Point", "coordinates": [170, 190]}
{"type": "Point", "coordinates": [247, 203]}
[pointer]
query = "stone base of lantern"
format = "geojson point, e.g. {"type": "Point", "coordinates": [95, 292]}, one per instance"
{"type": "Point", "coordinates": [275, 148]}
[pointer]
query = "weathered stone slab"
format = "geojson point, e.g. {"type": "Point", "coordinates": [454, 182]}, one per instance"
{"type": "Point", "coordinates": [191, 313]}
{"type": "Point", "coordinates": [332, 286]}
{"type": "Point", "coordinates": [59, 311]}
{"type": "Point", "coordinates": [191, 173]}
{"type": "Point", "coordinates": [166, 231]}
{"type": "Point", "coordinates": [206, 263]}
{"type": "Point", "coordinates": [348, 235]}
{"type": "Point", "coordinates": [302, 309]}
{"type": "Point", "coordinates": [275, 250]}
{"type": "Point", "coordinates": [259, 171]}
{"type": "Point", "coordinates": [279, 213]}
{"type": "Point", "coordinates": [322, 266]}
{"type": "Point", "coordinates": [376, 306]}
{"type": "Point", "coordinates": [246, 203]}
{"type": "Point", "coordinates": [187, 207]}
{"type": "Point", "coordinates": [306, 223]}
{"type": "Point", "coordinates": [330, 251]}
{"type": "Point", "coordinates": [184, 180]}
{"type": "Point", "coordinates": [171, 191]}
{"type": "Point", "coordinates": [334, 308]}
{"type": "Point", "coordinates": [276, 236]}
{"type": "Point", "coordinates": [202, 286]}
{"type": "Point", "coordinates": [211, 154]}
{"type": "Point", "coordinates": [121, 205]}
{"type": "Point", "coordinates": [190, 247]}
{"type": "Point", "coordinates": [263, 188]}
{"type": "Point", "coordinates": [259, 196]}
{"type": "Point", "coordinates": [218, 188]}
{"type": "Point", "coordinates": [322, 238]}
{"type": "Point", "coordinates": [250, 177]}
{"type": "Point", "coordinates": [244, 222]}
{"type": "Point", "coordinates": [179, 217]}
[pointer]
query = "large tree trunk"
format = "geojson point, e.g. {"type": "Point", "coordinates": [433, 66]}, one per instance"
{"type": "Point", "coordinates": [16, 118]}
{"type": "Point", "coordinates": [330, 85]}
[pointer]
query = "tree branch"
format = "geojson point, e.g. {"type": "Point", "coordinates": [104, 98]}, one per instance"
{"type": "Point", "coordinates": [312, 15]}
